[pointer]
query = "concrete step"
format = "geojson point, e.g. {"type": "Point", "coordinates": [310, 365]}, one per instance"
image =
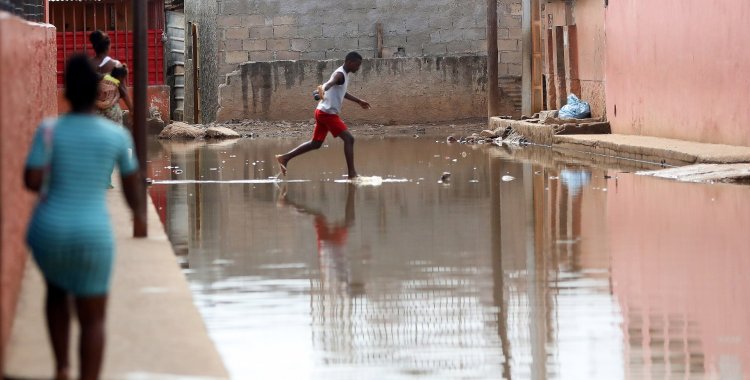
{"type": "Point", "coordinates": [542, 134]}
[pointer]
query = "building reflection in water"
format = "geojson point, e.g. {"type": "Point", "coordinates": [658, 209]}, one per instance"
{"type": "Point", "coordinates": [566, 272]}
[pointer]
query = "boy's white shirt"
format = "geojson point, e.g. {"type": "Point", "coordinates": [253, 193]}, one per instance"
{"type": "Point", "coordinates": [334, 97]}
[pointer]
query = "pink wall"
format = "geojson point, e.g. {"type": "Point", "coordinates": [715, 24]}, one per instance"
{"type": "Point", "coordinates": [589, 20]}
{"type": "Point", "coordinates": [679, 69]}
{"type": "Point", "coordinates": [29, 86]}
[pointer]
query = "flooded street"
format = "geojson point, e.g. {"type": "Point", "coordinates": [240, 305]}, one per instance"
{"type": "Point", "coordinates": [522, 266]}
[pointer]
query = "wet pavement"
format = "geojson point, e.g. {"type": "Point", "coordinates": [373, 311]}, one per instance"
{"type": "Point", "coordinates": [523, 266]}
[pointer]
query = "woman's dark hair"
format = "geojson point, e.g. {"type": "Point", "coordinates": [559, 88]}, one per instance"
{"type": "Point", "coordinates": [100, 41]}
{"type": "Point", "coordinates": [81, 82]}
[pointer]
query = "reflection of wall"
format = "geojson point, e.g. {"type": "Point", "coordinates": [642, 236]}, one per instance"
{"type": "Point", "coordinates": [414, 253]}
{"type": "Point", "coordinates": [679, 265]}
{"type": "Point", "coordinates": [548, 262]}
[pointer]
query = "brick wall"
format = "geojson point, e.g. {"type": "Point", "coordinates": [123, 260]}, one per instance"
{"type": "Point", "coordinates": [257, 30]}
{"type": "Point", "coordinates": [401, 90]}
{"type": "Point", "coordinates": [29, 87]}
{"type": "Point", "coordinates": [232, 32]}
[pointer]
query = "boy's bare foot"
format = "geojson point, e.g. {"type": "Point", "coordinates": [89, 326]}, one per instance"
{"type": "Point", "coordinates": [282, 163]}
{"type": "Point", "coordinates": [353, 176]}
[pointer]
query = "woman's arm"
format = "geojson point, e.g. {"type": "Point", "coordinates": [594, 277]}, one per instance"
{"type": "Point", "coordinates": [125, 96]}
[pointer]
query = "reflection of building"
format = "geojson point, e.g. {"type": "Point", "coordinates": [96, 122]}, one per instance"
{"type": "Point", "coordinates": [679, 271]}
{"type": "Point", "coordinates": [551, 278]}
{"type": "Point", "coordinates": [525, 278]}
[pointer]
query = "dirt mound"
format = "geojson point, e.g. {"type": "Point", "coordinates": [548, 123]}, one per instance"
{"type": "Point", "coordinates": [221, 133]}
{"type": "Point", "coordinates": [181, 131]}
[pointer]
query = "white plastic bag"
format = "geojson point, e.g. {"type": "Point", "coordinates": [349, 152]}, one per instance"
{"type": "Point", "coordinates": [575, 109]}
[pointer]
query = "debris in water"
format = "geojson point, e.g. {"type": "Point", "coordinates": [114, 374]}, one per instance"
{"type": "Point", "coordinates": [508, 178]}
{"type": "Point", "coordinates": [445, 178]}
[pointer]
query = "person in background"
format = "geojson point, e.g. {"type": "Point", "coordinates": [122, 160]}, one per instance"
{"type": "Point", "coordinates": [331, 95]}
{"type": "Point", "coordinates": [70, 235]}
{"type": "Point", "coordinates": [106, 65]}
{"type": "Point", "coordinates": [111, 87]}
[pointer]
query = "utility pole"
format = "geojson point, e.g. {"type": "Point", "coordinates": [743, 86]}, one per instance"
{"type": "Point", "coordinates": [493, 92]}
{"type": "Point", "coordinates": [140, 61]}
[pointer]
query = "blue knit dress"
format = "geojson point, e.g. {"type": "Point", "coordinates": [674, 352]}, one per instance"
{"type": "Point", "coordinates": [70, 233]}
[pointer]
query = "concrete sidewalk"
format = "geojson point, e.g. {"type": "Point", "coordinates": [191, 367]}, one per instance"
{"type": "Point", "coordinates": [654, 149]}
{"type": "Point", "coordinates": [154, 329]}
{"type": "Point", "coordinates": [596, 138]}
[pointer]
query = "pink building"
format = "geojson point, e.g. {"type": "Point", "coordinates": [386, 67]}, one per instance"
{"type": "Point", "coordinates": [673, 68]}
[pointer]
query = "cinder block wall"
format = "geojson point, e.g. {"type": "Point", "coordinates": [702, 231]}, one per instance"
{"type": "Point", "coordinates": [401, 90]}
{"type": "Point", "coordinates": [267, 30]}
{"type": "Point", "coordinates": [29, 88]}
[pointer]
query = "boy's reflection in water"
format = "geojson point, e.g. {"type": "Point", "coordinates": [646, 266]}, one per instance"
{"type": "Point", "coordinates": [332, 237]}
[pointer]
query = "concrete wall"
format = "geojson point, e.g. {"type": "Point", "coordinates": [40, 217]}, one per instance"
{"type": "Point", "coordinates": [679, 69]}
{"type": "Point", "coordinates": [575, 58]}
{"type": "Point", "coordinates": [236, 31]}
{"type": "Point", "coordinates": [589, 21]}
{"type": "Point", "coordinates": [29, 86]}
{"type": "Point", "coordinates": [401, 90]}
{"type": "Point", "coordinates": [202, 14]}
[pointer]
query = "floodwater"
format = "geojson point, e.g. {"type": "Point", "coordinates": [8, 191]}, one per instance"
{"type": "Point", "coordinates": [523, 266]}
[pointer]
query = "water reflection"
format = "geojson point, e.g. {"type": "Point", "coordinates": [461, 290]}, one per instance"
{"type": "Point", "coordinates": [331, 237]}
{"type": "Point", "coordinates": [570, 271]}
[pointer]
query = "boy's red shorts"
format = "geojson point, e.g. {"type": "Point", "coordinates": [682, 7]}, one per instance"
{"type": "Point", "coordinates": [327, 122]}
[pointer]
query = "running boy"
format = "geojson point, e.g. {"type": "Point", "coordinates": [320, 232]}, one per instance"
{"type": "Point", "coordinates": [332, 95]}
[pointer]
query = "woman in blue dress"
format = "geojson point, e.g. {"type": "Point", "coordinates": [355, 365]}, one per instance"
{"type": "Point", "coordinates": [70, 235]}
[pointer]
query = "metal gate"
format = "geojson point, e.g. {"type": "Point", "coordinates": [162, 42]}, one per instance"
{"type": "Point", "coordinates": [75, 20]}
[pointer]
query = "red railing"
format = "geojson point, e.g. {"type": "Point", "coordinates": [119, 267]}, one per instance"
{"type": "Point", "coordinates": [75, 20]}
{"type": "Point", "coordinates": [121, 49]}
